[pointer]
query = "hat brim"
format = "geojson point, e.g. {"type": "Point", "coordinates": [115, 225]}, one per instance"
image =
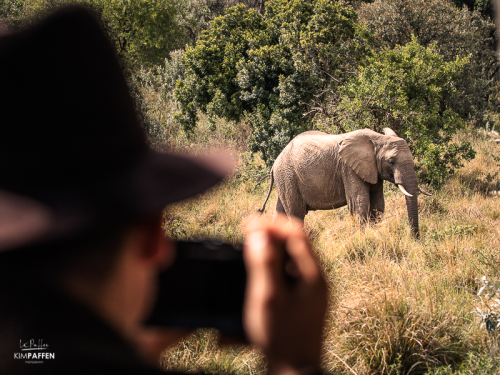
{"type": "Point", "coordinates": [153, 181]}
{"type": "Point", "coordinates": [158, 179]}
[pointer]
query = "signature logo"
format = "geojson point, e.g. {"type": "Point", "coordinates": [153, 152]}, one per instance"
{"type": "Point", "coordinates": [34, 351]}
{"type": "Point", "coordinates": [33, 345]}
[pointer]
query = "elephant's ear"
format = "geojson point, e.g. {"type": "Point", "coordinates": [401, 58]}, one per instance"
{"type": "Point", "coordinates": [358, 152]}
{"type": "Point", "coordinates": [389, 132]}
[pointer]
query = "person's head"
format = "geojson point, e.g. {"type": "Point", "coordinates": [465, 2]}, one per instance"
{"type": "Point", "coordinates": [81, 193]}
{"type": "Point", "coordinates": [113, 271]}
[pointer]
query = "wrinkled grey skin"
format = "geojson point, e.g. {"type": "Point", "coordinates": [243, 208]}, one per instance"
{"type": "Point", "coordinates": [319, 171]}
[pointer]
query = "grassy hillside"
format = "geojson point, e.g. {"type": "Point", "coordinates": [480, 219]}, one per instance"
{"type": "Point", "coordinates": [397, 305]}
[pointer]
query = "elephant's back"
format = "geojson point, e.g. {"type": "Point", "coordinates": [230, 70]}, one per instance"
{"type": "Point", "coordinates": [301, 149]}
{"type": "Point", "coordinates": [311, 143]}
{"type": "Point", "coordinates": [311, 132]}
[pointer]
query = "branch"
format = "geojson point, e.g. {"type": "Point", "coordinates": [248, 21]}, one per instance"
{"type": "Point", "coordinates": [371, 96]}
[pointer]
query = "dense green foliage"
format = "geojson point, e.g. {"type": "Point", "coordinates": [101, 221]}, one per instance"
{"type": "Point", "coordinates": [195, 15]}
{"type": "Point", "coordinates": [409, 89]}
{"type": "Point", "coordinates": [274, 70]}
{"type": "Point", "coordinates": [303, 65]}
{"type": "Point", "coordinates": [152, 89]}
{"type": "Point", "coordinates": [485, 7]}
{"type": "Point", "coordinates": [10, 12]}
{"type": "Point", "coordinates": [285, 66]}
{"type": "Point", "coordinates": [455, 33]}
{"type": "Point", "coordinates": [143, 31]}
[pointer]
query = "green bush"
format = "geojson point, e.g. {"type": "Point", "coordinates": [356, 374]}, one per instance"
{"type": "Point", "coordinates": [152, 89]}
{"type": "Point", "coordinates": [485, 7]}
{"type": "Point", "coordinates": [453, 33]}
{"type": "Point", "coordinates": [276, 70]}
{"type": "Point", "coordinates": [10, 12]}
{"type": "Point", "coordinates": [197, 14]}
{"type": "Point", "coordinates": [408, 89]}
{"type": "Point", "coordinates": [143, 32]}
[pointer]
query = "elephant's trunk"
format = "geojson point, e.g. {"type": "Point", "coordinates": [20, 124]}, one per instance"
{"type": "Point", "coordinates": [406, 176]}
{"type": "Point", "coordinates": [412, 207]}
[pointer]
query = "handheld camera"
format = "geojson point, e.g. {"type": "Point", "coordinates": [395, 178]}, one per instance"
{"type": "Point", "coordinates": [204, 287]}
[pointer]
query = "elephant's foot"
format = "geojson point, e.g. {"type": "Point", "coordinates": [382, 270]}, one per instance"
{"type": "Point", "coordinates": [376, 216]}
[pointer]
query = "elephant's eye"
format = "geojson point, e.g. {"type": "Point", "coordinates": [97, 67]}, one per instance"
{"type": "Point", "coordinates": [391, 161]}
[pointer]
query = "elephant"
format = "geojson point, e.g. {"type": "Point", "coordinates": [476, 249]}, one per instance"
{"type": "Point", "coordinates": [320, 171]}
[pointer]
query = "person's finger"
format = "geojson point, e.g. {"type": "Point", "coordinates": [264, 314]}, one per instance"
{"type": "Point", "coordinates": [259, 289]}
{"type": "Point", "coordinates": [264, 262]}
{"type": "Point", "coordinates": [302, 258]}
{"type": "Point", "coordinates": [285, 233]}
{"type": "Point", "coordinates": [254, 223]}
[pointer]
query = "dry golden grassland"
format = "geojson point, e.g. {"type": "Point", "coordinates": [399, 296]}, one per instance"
{"type": "Point", "coordinates": [397, 305]}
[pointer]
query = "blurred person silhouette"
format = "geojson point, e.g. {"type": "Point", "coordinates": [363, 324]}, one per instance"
{"type": "Point", "coordinates": [81, 202]}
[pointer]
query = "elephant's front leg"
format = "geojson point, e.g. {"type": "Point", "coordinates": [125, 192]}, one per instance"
{"type": "Point", "coordinates": [377, 203]}
{"type": "Point", "coordinates": [357, 194]}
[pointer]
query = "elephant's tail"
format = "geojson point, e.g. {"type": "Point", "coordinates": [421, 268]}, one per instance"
{"type": "Point", "coordinates": [261, 210]}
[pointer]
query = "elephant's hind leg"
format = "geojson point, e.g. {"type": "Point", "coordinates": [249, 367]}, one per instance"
{"type": "Point", "coordinates": [289, 200]}
{"type": "Point", "coordinates": [278, 209]}
{"type": "Point", "coordinates": [296, 209]}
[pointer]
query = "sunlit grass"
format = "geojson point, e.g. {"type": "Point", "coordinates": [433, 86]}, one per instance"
{"type": "Point", "coordinates": [201, 353]}
{"type": "Point", "coordinates": [397, 304]}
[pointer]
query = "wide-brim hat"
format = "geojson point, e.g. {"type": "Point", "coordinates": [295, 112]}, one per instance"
{"type": "Point", "coordinates": [73, 155]}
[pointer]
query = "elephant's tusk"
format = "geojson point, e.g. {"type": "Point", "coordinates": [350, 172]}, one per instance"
{"type": "Point", "coordinates": [423, 191]}
{"type": "Point", "coordinates": [403, 190]}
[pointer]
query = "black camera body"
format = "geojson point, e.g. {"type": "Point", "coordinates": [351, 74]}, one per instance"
{"type": "Point", "coordinates": [204, 287]}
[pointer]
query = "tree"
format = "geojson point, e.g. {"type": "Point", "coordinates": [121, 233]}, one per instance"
{"type": "Point", "coordinates": [454, 32]}
{"type": "Point", "coordinates": [276, 71]}
{"type": "Point", "coordinates": [197, 14]}
{"type": "Point", "coordinates": [408, 89]}
{"type": "Point", "coordinates": [144, 32]}
{"type": "Point", "coordinates": [10, 12]}
{"type": "Point", "coordinates": [485, 7]}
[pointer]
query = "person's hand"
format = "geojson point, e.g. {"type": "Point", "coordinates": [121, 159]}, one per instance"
{"type": "Point", "coordinates": [286, 296]}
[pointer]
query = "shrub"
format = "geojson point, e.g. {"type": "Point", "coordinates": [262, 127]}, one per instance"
{"type": "Point", "coordinates": [143, 32]}
{"type": "Point", "coordinates": [10, 12]}
{"type": "Point", "coordinates": [395, 332]}
{"type": "Point", "coordinates": [453, 33]}
{"type": "Point", "coordinates": [274, 70]}
{"type": "Point", "coordinates": [408, 89]}
{"type": "Point", "coordinates": [485, 7]}
{"type": "Point", "coordinates": [197, 14]}
{"type": "Point", "coordinates": [152, 89]}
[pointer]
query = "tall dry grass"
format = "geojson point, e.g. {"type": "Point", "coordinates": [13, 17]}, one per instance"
{"type": "Point", "coordinates": [397, 305]}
